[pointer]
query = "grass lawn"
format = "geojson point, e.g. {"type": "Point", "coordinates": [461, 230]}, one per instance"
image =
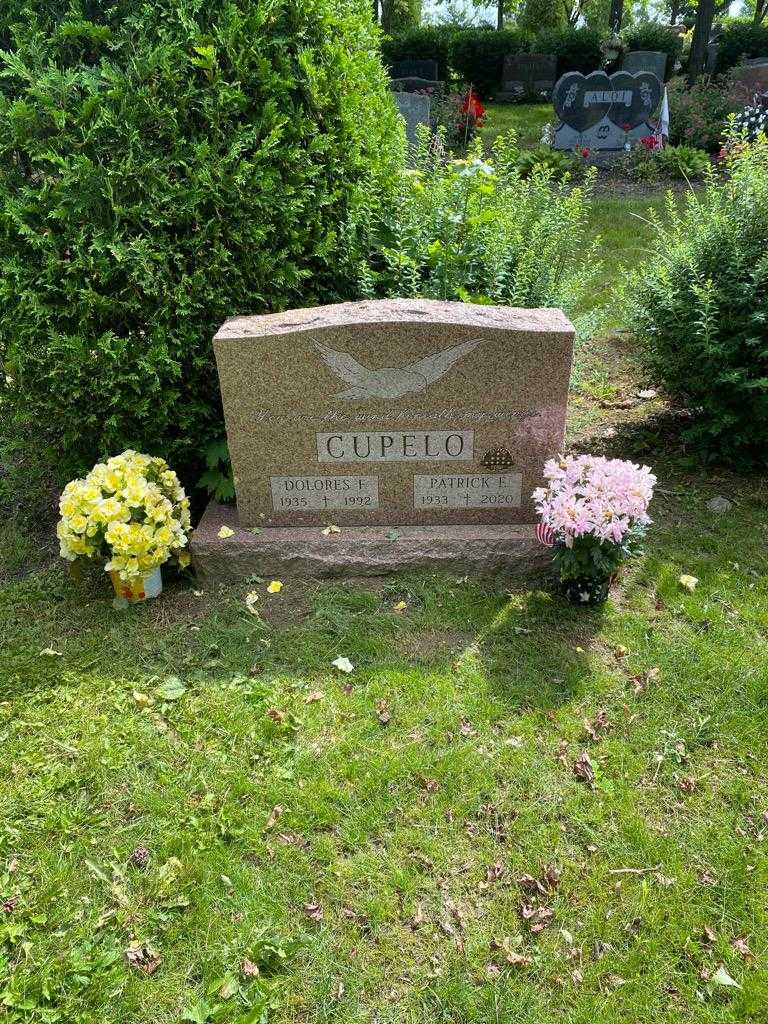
{"type": "Point", "coordinates": [203, 820]}
{"type": "Point", "coordinates": [527, 119]}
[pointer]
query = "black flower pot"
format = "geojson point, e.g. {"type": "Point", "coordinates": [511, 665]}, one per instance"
{"type": "Point", "coordinates": [587, 590]}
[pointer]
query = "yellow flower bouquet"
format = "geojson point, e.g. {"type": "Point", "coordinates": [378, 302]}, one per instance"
{"type": "Point", "coordinates": [131, 511]}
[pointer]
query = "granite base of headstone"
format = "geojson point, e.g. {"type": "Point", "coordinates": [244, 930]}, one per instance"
{"type": "Point", "coordinates": [415, 109]}
{"type": "Point", "coordinates": [417, 428]}
{"type": "Point", "coordinates": [427, 85]}
{"type": "Point", "coordinates": [415, 69]}
{"type": "Point", "coordinates": [653, 61]}
{"type": "Point", "coordinates": [527, 75]}
{"type": "Point", "coordinates": [603, 113]}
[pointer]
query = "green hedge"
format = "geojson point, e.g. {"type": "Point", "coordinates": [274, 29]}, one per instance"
{"type": "Point", "coordinates": [700, 309]}
{"type": "Point", "coordinates": [429, 42]}
{"type": "Point", "coordinates": [576, 49]}
{"type": "Point", "coordinates": [741, 39]}
{"type": "Point", "coordinates": [166, 164]}
{"type": "Point", "coordinates": [477, 55]}
{"type": "Point", "coordinates": [651, 35]}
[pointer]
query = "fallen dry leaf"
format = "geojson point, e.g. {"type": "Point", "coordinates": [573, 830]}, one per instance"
{"type": "Point", "coordinates": [330, 529]}
{"type": "Point", "coordinates": [313, 910]}
{"type": "Point", "coordinates": [709, 936]}
{"type": "Point", "coordinates": [9, 905]}
{"type": "Point", "coordinates": [249, 968]}
{"type": "Point", "coordinates": [466, 728]}
{"type": "Point", "coordinates": [314, 697]}
{"type": "Point", "coordinates": [583, 768]}
{"type": "Point", "coordinates": [688, 583]}
{"type": "Point", "coordinates": [49, 652]}
{"type": "Point", "coordinates": [599, 724]}
{"type": "Point", "coordinates": [687, 785]}
{"type": "Point", "coordinates": [383, 713]}
{"type": "Point", "coordinates": [142, 958]}
{"type": "Point", "coordinates": [274, 815]}
{"type": "Point", "coordinates": [139, 858]}
{"type": "Point", "coordinates": [250, 602]}
{"type": "Point", "coordinates": [741, 947]}
{"type": "Point", "coordinates": [277, 716]}
{"type": "Point", "coordinates": [494, 872]}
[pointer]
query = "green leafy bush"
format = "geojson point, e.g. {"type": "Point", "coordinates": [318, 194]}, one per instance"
{"type": "Point", "coordinates": [653, 35]}
{"type": "Point", "coordinates": [554, 161]}
{"type": "Point", "coordinates": [741, 39]}
{"type": "Point", "coordinates": [477, 231]}
{"type": "Point", "coordinates": [428, 42]}
{"type": "Point", "coordinates": [477, 56]}
{"type": "Point", "coordinates": [698, 115]}
{"type": "Point", "coordinates": [699, 305]}
{"type": "Point", "coordinates": [683, 162]}
{"type": "Point", "coordinates": [163, 166]}
{"type": "Point", "coordinates": [576, 49]}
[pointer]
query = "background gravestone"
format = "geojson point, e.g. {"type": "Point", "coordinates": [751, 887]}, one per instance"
{"type": "Point", "coordinates": [415, 69]}
{"type": "Point", "coordinates": [751, 78]}
{"type": "Point", "coordinates": [415, 108]}
{"type": "Point", "coordinates": [646, 60]}
{"type": "Point", "coordinates": [393, 412]}
{"type": "Point", "coordinates": [528, 75]}
{"type": "Point", "coordinates": [604, 112]}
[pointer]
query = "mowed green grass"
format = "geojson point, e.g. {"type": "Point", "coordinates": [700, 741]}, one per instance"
{"type": "Point", "coordinates": [363, 839]}
{"type": "Point", "coordinates": [527, 119]}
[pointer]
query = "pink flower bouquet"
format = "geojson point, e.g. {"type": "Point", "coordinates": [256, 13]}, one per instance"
{"type": "Point", "coordinates": [594, 511]}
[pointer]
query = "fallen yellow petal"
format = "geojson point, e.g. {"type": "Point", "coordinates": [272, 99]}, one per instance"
{"type": "Point", "coordinates": [225, 532]}
{"type": "Point", "coordinates": [274, 587]}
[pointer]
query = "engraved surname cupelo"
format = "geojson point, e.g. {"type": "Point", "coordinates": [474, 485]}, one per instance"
{"type": "Point", "coordinates": [396, 446]}
{"type": "Point", "coordinates": [318, 493]}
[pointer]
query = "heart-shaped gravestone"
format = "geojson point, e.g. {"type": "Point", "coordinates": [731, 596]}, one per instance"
{"type": "Point", "coordinates": [582, 101]}
{"type": "Point", "coordinates": [636, 96]}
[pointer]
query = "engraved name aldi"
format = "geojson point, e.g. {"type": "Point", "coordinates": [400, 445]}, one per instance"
{"type": "Point", "coordinates": [396, 446]}
{"type": "Point", "coordinates": [317, 493]}
{"type": "Point", "coordinates": [478, 490]}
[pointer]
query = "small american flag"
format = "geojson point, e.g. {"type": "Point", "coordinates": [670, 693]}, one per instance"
{"type": "Point", "coordinates": [546, 535]}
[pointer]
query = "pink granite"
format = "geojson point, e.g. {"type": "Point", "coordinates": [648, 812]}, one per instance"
{"type": "Point", "coordinates": [358, 551]}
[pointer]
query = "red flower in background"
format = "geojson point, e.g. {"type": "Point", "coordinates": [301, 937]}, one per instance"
{"type": "Point", "coordinates": [473, 108]}
{"type": "Point", "coordinates": [585, 153]}
{"type": "Point", "coordinates": [650, 142]}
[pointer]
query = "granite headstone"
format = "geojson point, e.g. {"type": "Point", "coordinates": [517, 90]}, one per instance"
{"type": "Point", "coordinates": [646, 60]}
{"type": "Point", "coordinates": [415, 69]}
{"type": "Point", "coordinates": [526, 75]}
{"type": "Point", "coordinates": [415, 109]}
{"type": "Point", "coordinates": [751, 78]}
{"type": "Point", "coordinates": [401, 412]}
{"type": "Point", "coordinates": [604, 112]}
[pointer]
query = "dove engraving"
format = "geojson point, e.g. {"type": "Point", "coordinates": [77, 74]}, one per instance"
{"type": "Point", "coordinates": [391, 381]}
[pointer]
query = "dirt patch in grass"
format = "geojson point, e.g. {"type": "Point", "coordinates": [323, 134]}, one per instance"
{"type": "Point", "coordinates": [426, 646]}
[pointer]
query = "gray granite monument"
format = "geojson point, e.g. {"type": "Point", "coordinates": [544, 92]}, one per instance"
{"type": "Point", "coordinates": [604, 112]}
{"type": "Point", "coordinates": [415, 109]}
{"type": "Point", "coordinates": [646, 60]}
{"type": "Point", "coordinates": [415, 69]}
{"type": "Point", "coordinates": [527, 75]}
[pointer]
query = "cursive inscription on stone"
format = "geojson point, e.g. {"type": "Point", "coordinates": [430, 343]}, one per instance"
{"type": "Point", "coordinates": [475, 490]}
{"type": "Point", "coordinates": [397, 446]}
{"type": "Point", "coordinates": [318, 493]}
